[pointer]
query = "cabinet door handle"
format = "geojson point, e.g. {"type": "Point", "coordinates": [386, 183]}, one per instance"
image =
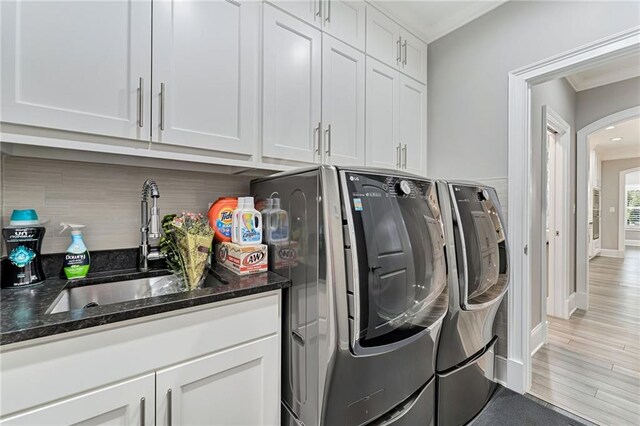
{"type": "Point", "coordinates": [316, 134]}
{"type": "Point", "coordinates": [318, 10]}
{"type": "Point", "coordinates": [398, 156]}
{"type": "Point", "coordinates": [141, 102]}
{"type": "Point", "coordinates": [328, 17]}
{"type": "Point", "coordinates": [142, 411]}
{"type": "Point", "coordinates": [398, 50]}
{"type": "Point", "coordinates": [169, 413]}
{"type": "Point", "coordinates": [162, 95]}
{"type": "Point", "coordinates": [404, 46]}
{"type": "Point", "coordinates": [404, 156]}
{"type": "Point", "coordinates": [328, 132]}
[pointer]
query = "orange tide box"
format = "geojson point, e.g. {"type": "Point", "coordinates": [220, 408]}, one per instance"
{"type": "Point", "coordinates": [242, 260]}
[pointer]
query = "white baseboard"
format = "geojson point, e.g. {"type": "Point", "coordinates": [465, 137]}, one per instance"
{"type": "Point", "coordinates": [537, 337]}
{"type": "Point", "coordinates": [515, 376]}
{"type": "Point", "coordinates": [500, 371]}
{"type": "Point", "coordinates": [571, 304]}
{"type": "Point", "coordinates": [582, 301]}
{"type": "Point", "coordinates": [611, 253]}
{"type": "Point", "coordinates": [635, 243]}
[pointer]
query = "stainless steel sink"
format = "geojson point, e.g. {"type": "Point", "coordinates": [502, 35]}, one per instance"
{"type": "Point", "coordinates": [89, 295]}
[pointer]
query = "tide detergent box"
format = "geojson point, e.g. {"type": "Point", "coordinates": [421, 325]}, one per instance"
{"type": "Point", "coordinates": [242, 260]}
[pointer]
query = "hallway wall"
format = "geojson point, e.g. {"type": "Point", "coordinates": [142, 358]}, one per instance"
{"type": "Point", "coordinates": [610, 198]}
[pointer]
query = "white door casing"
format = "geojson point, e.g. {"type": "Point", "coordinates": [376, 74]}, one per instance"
{"type": "Point", "coordinates": [291, 88]}
{"type": "Point", "coordinates": [78, 66]}
{"type": "Point", "coordinates": [622, 208]}
{"type": "Point", "coordinates": [129, 403]}
{"type": "Point", "coordinates": [382, 122]}
{"type": "Point", "coordinates": [343, 90]}
{"type": "Point", "coordinates": [521, 174]}
{"type": "Point", "coordinates": [234, 386]}
{"type": "Point", "coordinates": [413, 125]}
{"type": "Point", "coordinates": [205, 74]}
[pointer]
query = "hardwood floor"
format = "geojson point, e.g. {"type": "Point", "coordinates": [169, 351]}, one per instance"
{"type": "Point", "coordinates": [591, 363]}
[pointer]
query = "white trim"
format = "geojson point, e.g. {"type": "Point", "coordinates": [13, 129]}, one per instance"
{"type": "Point", "coordinates": [571, 304]}
{"type": "Point", "coordinates": [500, 369]}
{"type": "Point", "coordinates": [582, 199]}
{"type": "Point", "coordinates": [622, 206]}
{"type": "Point", "coordinates": [611, 253]}
{"type": "Point", "coordinates": [559, 236]}
{"type": "Point", "coordinates": [538, 338]}
{"type": "Point", "coordinates": [523, 238]}
{"type": "Point", "coordinates": [633, 243]}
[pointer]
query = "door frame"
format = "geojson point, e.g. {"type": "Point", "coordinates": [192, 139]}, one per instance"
{"type": "Point", "coordinates": [622, 208]}
{"type": "Point", "coordinates": [559, 239]}
{"type": "Point", "coordinates": [582, 199]}
{"type": "Point", "coordinates": [522, 174]}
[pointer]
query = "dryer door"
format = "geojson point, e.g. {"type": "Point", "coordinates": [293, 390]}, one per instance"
{"type": "Point", "coordinates": [481, 245]}
{"type": "Point", "coordinates": [398, 252]}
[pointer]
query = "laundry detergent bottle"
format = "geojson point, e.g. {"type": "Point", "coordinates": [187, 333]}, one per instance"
{"type": "Point", "coordinates": [235, 221]}
{"type": "Point", "coordinates": [76, 259]}
{"type": "Point", "coordinates": [278, 226]}
{"type": "Point", "coordinates": [250, 224]}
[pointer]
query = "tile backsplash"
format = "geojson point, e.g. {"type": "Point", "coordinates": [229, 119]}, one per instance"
{"type": "Point", "coordinates": [104, 197]}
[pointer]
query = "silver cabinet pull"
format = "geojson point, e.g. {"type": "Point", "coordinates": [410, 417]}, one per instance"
{"type": "Point", "coordinates": [328, 133]}
{"type": "Point", "coordinates": [398, 156]}
{"type": "Point", "coordinates": [328, 17]}
{"type": "Point", "coordinates": [398, 50]}
{"type": "Point", "coordinates": [169, 407]}
{"type": "Point", "coordinates": [404, 156]}
{"type": "Point", "coordinates": [318, 10]}
{"type": "Point", "coordinates": [141, 102]}
{"type": "Point", "coordinates": [142, 411]}
{"type": "Point", "coordinates": [316, 134]}
{"type": "Point", "coordinates": [162, 106]}
{"type": "Point", "coordinates": [404, 46]}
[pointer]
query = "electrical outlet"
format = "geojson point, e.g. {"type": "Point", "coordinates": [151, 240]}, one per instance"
{"type": "Point", "coordinates": [612, 209]}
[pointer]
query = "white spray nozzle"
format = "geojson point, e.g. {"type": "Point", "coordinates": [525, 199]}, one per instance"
{"type": "Point", "coordinates": [75, 228]}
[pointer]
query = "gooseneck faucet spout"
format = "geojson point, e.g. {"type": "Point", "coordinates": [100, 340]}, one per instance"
{"type": "Point", "coordinates": [150, 231]}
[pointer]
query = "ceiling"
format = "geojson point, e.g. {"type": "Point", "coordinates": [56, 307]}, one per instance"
{"type": "Point", "coordinates": [430, 19]}
{"type": "Point", "coordinates": [609, 72]}
{"type": "Point", "coordinates": [628, 147]}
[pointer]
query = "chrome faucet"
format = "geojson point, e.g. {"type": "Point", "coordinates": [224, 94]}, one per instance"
{"type": "Point", "coordinates": [149, 227]}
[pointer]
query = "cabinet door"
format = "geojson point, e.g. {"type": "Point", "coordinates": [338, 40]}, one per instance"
{"type": "Point", "coordinates": [382, 133]}
{"type": "Point", "coordinates": [238, 386]}
{"type": "Point", "coordinates": [291, 89]}
{"type": "Point", "coordinates": [205, 65]}
{"type": "Point", "coordinates": [309, 11]}
{"type": "Point", "coordinates": [414, 56]}
{"type": "Point", "coordinates": [128, 403]}
{"type": "Point", "coordinates": [343, 71]}
{"type": "Point", "coordinates": [383, 38]}
{"type": "Point", "coordinates": [82, 66]}
{"type": "Point", "coordinates": [345, 20]}
{"type": "Point", "coordinates": [413, 125]}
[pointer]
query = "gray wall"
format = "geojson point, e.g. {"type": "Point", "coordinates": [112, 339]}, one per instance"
{"type": "Point", "coordinates": [610, 179]}
{"type": "Point", "coordinates": [468, 84]}
{"type": "Point", "coordinates": [597, 103]}
{"type": "Point", "coordinates": [559, 96]}
{"type": "Point", "coordinates": [104, 197]}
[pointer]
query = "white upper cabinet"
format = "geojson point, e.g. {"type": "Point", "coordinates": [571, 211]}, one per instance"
{"type": "Point", "coordinates": [346, 21]}
{"type": "Point", "coordinates": [291, 89]}
{"type": "Point", "coordinates": [232, 387]}
{"type": "Point", "coordinates": [383, 85]}
{"type": "Point", "coordinates": [343, 94]}
{"type": "Point", "coordinates": [383, 38]}
{"type": "Point", "coordinates": [413, 126]}
{"type": "Point", "coordinates": [206, 74]}
{"type": "Point", "coordinates": [414, 56]}
{"type": "Point", "coordinates": [82, 66]}
{"type": "Point", "coordinates": [309, 11]}
{"type": "Point", "coordinates": [129, 404]}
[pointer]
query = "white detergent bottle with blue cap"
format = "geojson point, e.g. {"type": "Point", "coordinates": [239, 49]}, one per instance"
{"type": "Point", "coordinates": [250, 224]}
{"type": "Point", "coordinates": [76, 260]}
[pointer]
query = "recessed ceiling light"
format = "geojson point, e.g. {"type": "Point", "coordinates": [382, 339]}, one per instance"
{"type": "Point", "coordinates": [616, 139]}
{"type": "Point", "coordinates": [610, 128]}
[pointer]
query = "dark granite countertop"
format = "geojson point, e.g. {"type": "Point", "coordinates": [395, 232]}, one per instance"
{"type": "Point", "coordinates": [23, 311]}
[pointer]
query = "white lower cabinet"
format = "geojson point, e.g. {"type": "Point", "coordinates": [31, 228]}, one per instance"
{"type": "Point", "coordinates": [235, 386]}
{"type": "Point", "coordinates": [343, 72]}
{"type": "Point", "coordinates": [217, 365]}
{"type": "Point", "coordinates": [128, 403]}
